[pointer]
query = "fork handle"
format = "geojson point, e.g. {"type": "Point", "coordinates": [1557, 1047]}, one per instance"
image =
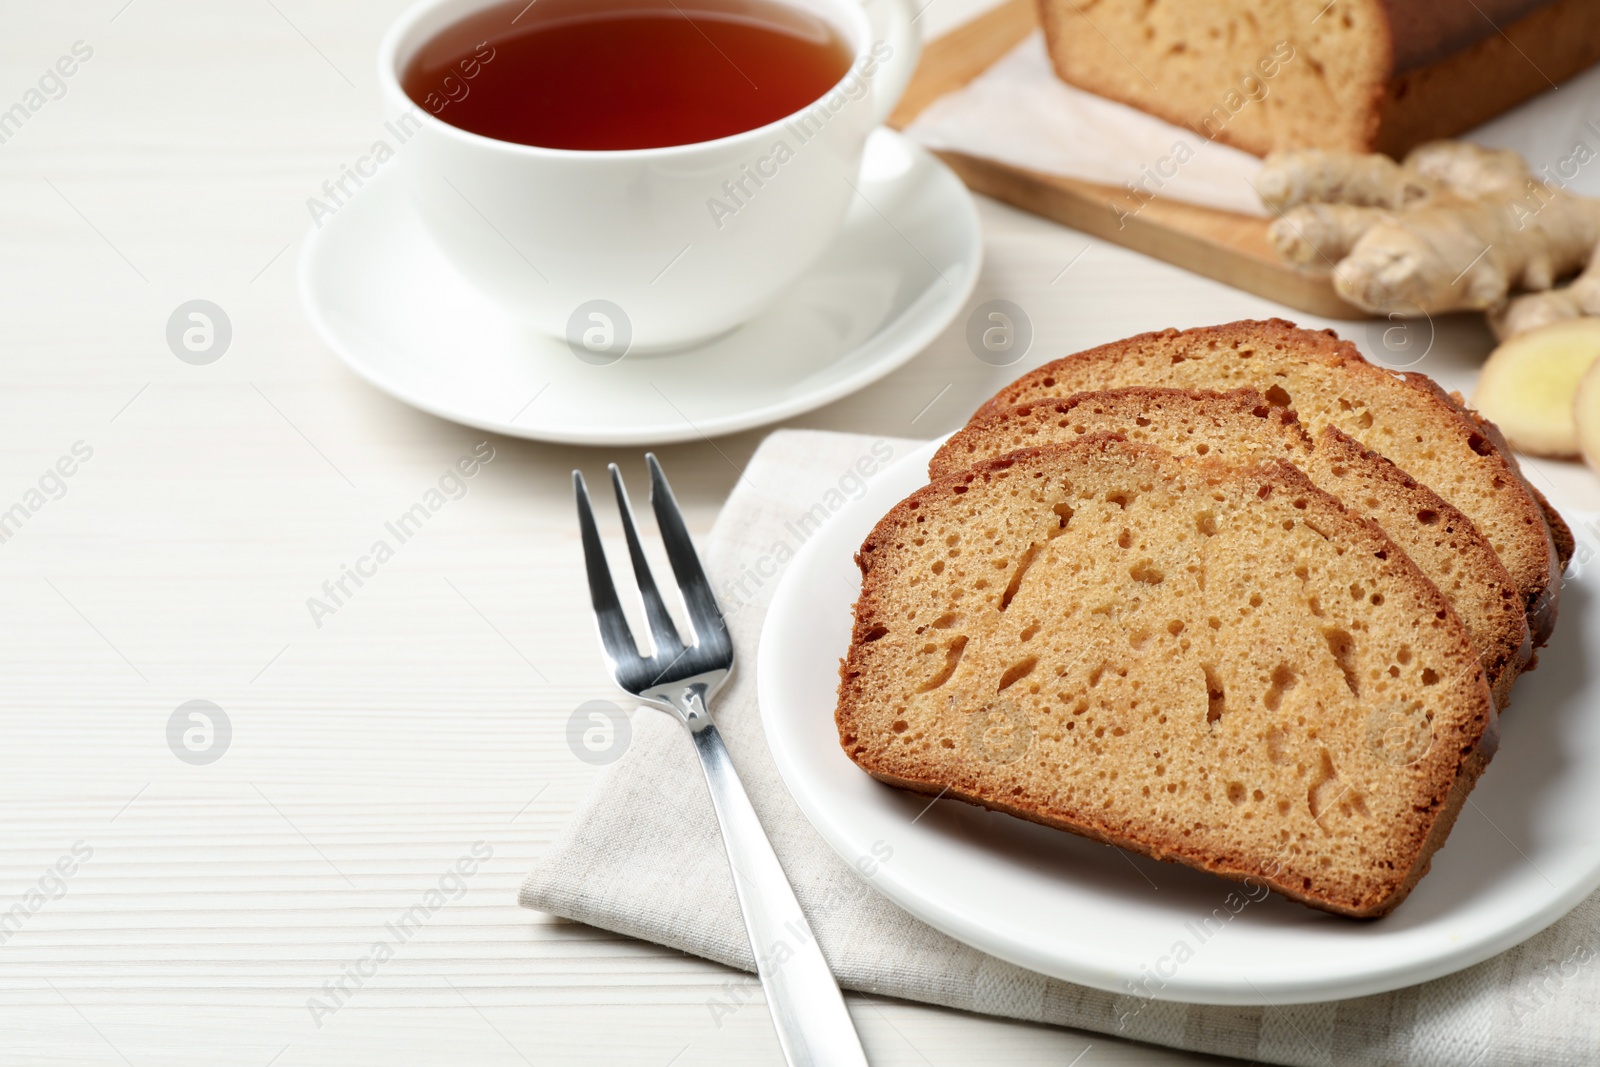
{"type": "Point", "coordinates": [814, 1027]}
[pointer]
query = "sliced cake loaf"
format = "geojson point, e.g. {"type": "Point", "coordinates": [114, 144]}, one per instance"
{"type": "Point", "coordinates": [1241, 427]}
{"type": "Point", "coordinates": [1211, 664]}
{"type": "Point", "coordinates": [1405, 417]}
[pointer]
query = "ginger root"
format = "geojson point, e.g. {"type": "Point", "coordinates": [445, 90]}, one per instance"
{"type": "Point", "coordinates": [1455, 226]}
{"type": "Point", "coordinates": [1530, 311]}
{"type": "Point", "coordinates": [1319, 234]}
{"type": "Point", "coordinates": [1315, 176]}
{"type": "Point", "coordinates": [1470, 170]}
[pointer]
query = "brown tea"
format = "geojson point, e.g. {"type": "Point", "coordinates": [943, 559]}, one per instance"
{"type": "Point", "coordinates": [597, 77]}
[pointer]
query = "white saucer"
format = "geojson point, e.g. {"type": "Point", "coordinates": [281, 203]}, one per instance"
{"type": "Point", "coordinates": [1524, 852]}
{"type": "Point", "coordinates": [392, 307]}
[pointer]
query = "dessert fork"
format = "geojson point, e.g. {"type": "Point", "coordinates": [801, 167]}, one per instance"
{"type": "Point", "coordinates": [814, 1027]}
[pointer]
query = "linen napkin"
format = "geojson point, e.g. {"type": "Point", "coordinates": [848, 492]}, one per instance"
{"type": "Point", "coordinates": [642, 856]}
{"type": "Point", "coordinates": [1019, 112]}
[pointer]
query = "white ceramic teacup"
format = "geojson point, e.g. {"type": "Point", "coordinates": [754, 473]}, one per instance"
{"type": "Point", "coordinates": [655, 248]}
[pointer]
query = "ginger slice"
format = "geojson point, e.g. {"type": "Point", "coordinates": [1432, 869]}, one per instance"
{"type": "Point", "coordinates": [1586, 415]}
{"type": "Point", "coordinates": [1530, 384]}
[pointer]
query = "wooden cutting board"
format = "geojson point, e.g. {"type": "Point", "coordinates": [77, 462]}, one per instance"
{"type": "Point", "coordinates": [1217, 244]}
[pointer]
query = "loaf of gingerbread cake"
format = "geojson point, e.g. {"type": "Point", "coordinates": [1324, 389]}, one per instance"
{"type": "Point", "coordinates": [1357, 75]}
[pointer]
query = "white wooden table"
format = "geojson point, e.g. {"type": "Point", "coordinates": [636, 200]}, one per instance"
{"type": "Point", "coordinates": [208, 905]}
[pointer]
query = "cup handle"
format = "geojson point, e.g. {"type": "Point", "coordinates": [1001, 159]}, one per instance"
{"type": "Point", "coordinates": [894, 24]}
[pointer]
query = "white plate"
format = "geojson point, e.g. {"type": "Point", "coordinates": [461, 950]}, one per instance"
{"type": "Point", "coordinates": [392, 307]}
{"type": "Point", "coordinates": [1525, 850]}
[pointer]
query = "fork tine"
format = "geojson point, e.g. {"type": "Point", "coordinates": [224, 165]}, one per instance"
{"type": "Point", "coordinates": [662, 629]}
{"type": "Point", "coordinates": [615, 637]}
{"type": "Point", "coordinates": [704, 613]}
